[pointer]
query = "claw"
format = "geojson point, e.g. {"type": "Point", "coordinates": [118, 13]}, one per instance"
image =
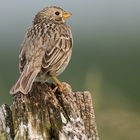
{"type": "Point", "coordinates": [60, 85]}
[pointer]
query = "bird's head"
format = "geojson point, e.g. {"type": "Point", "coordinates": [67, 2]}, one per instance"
{"type": "Point", "coordinates": [53, 13]}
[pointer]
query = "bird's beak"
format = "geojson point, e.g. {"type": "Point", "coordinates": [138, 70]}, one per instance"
{"type": "Point", "coordinates": [66, 15]}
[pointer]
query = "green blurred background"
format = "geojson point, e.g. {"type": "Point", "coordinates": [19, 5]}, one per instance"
{"type": "Point", "coordinates": [105, 60]}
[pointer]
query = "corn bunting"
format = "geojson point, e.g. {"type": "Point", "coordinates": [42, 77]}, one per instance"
{"type": "Point", "coordinates": [46, 49]}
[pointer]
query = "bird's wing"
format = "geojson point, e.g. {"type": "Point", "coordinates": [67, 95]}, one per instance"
{"type": "Point", "coordinates": [28, 42]}
{"type": "Point", "coordinates": [22, 57]}
{"type": "Point", "coordinates": [57, 51]}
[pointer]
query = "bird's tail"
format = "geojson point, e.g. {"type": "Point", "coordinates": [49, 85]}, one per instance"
{"type": "Point", "coordinates": [25, 82]}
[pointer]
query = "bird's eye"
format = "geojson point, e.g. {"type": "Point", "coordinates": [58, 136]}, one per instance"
{"type": "Point", "coordinates": [57, 13]}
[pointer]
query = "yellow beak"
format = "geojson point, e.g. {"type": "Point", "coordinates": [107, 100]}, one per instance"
{"type": "Point", "coordinates": [66, 15]}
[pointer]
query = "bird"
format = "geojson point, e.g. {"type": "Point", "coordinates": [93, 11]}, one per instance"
{"type": "Point", "coordinates": [46, 49]}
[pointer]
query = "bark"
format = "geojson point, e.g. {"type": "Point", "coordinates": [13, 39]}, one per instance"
{"type": "Point", "coordinates": [48, 114]}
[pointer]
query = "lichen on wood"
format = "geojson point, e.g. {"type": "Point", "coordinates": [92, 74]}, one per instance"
{"type": "Point", "coordinates": [48, 114]}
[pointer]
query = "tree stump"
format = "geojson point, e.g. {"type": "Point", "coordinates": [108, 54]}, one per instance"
{"type": "Point", "coordinates": [47, 114]}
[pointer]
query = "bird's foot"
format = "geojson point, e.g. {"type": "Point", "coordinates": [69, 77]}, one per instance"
{"type": "Point", "coordinates": [61, 87]}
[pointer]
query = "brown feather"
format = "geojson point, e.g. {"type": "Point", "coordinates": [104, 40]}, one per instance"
{"type": "Point", "coordinates": [46, 49]}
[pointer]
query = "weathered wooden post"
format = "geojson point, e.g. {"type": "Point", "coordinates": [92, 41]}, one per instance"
{"type": "Point", "coordinates": [47, 114]}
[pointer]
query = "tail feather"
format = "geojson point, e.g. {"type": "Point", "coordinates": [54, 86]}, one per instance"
{"type": "Point", "coordinates": [24, 83]}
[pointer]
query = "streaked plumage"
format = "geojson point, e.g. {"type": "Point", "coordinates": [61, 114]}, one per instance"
{"type": "Point", "coordinates": [46, 49]}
